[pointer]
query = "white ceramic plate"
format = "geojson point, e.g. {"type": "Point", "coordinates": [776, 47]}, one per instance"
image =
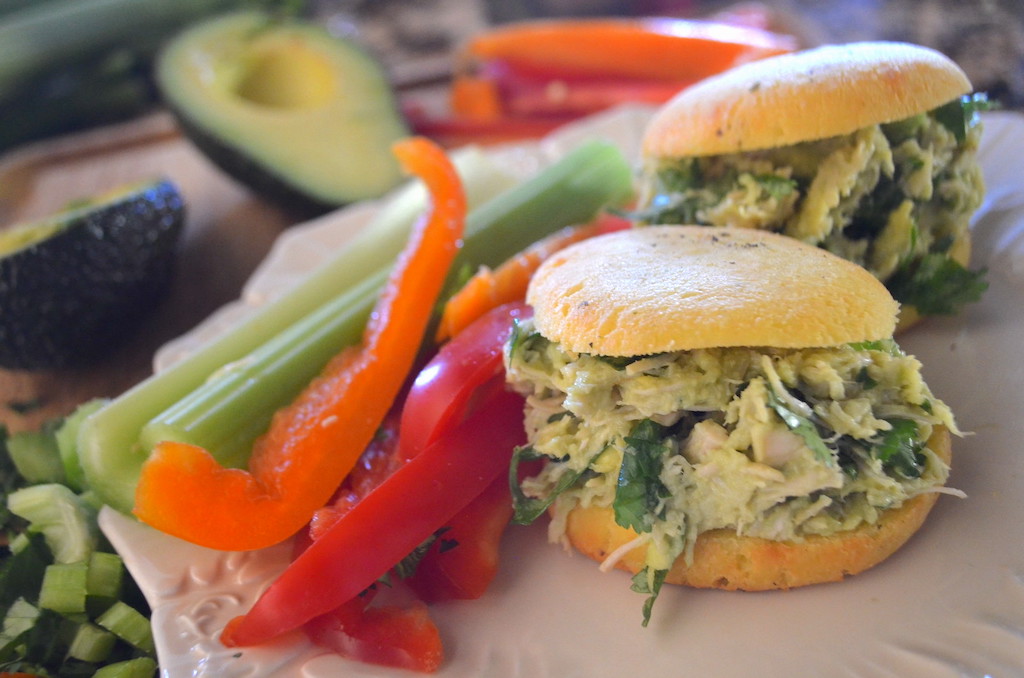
{"type": "Point", "coordinates": [950, 603]}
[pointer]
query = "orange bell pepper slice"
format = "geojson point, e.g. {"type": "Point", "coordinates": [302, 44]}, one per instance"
{"type": "Point", "coordinates": [658, 48]}
{"type": "Point", "coordinates": [490, 288]}
{"type": "Point", "coordinates": [315, 441]}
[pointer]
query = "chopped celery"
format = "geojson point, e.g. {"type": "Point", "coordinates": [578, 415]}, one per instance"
{"type": "Point", "coordinates": [36, 456]}
{"type": "Point", "coordinates": [91, 643]}
{"type": "Point", "coordinates": [140, 667]}
{"type": "Point", "coordinates": [63, 518]}
{"type": "Point", "coordinates": [64, 586]}
{"type": "Point", "coordinates": [128, 624]}
{"type": "Point", "coordinates": [112, 447]}
{"type": "Point", "coordinates": [20, 617]}
{"type": "Point", "coordinates": [105, 575]}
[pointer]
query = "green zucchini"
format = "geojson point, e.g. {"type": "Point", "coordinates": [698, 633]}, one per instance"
{"type": "Point", "coordinates": [56, 58]}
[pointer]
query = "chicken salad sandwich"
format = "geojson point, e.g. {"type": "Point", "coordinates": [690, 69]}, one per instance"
{"type": "Point", "coordinates": [866, 149]}
{"type": "Point", "coordinates": [721, 408]}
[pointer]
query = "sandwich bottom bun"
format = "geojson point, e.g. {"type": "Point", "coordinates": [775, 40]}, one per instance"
{"type": "Point", "coordinates": [724, 560]}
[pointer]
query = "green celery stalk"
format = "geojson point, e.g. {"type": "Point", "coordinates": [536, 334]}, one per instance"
{"type": "Point", "coordinates": [228, 412]}
{"type": "Point", "coordinates": [185, 404]}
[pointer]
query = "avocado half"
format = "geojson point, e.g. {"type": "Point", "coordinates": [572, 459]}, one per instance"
{"type": "Point", "coordinates": [303, 117]}
{"type": "Point", "coordinates": [73, 286]}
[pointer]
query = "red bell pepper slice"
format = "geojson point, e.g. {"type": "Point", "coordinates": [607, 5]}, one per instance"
{"type": "Point", "coordinates": [443, 390]}
{"type": "Point", "coordinates": [420, 498]}
{"type": "Point", "coordinates": [388, 635]}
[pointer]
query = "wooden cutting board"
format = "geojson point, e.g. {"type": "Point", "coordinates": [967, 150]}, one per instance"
{"type": "Point", "coordinates": [228, 232]}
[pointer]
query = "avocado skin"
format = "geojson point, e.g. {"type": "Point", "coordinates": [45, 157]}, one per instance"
{"type": "Point", "coordinates": [68, 300]}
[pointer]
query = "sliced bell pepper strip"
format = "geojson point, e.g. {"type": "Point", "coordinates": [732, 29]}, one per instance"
{"type": "Point", "coordinates": [653, 48]}
{"type": "Point", "coordinates": [314, 442]}
{"type": "Point", "coordinates": [386, 635]}
{"type": "Point", "coordinates": [376, 464]}
{"type": "Point", "coordinates": [490, 288]}
{"type": "Point", "coordinates": [442, 392]}
{"type": "Point", "coordinates": [420, 498]}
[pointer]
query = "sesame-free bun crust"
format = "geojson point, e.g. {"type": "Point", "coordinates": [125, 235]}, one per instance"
{"type": "Point", "coordinates": [803, 96]}
{"type": "Point", "coordinates": [723, 560]}
{"type": "Point", "coordinates": [655, 289]}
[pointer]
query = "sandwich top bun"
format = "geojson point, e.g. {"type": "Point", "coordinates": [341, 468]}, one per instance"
{"type": "Point", "coordinates": [669, 288]}
{"type": "Point", "coordinates": [804, 96]}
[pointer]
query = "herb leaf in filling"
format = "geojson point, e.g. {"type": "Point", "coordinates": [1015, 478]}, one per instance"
{"type": "Point", "coordinates": [640, 489]}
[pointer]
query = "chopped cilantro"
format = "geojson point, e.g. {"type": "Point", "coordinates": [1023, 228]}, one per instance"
{"type": "Point", "coordinates": [865, 380]}
{"type": "Point", "coordinates": [528, 509]}
{"type": "Point", "coordinates": [618, 362]}
{"type": "Point", "coordinates": [958, 116]}
{"type": "Point", "coordinates": [557, 416]}
{"type": "Point", "coordinates": [884, 345]}
{"type": "Point", "coordinates": [519, 337]}
{"type": "Point", "coordinates": [872, 213]}
{"type": "Point", "coordinates": [673, 208]}
{"type": "Point", "coordinates": [900, 447]}
{"type": "Point", "coordinates": [407, 566]}
{"type": "Point", "coordinates": [776, 186]}
{"type": "Point", "coordinates": [640, 489]}
{"type": "Point", "coordinates": [802, 426]}
{"type": "Point", "coordinates": [937, 285]}
{"type": "Point", "coordinates": [650, 583]}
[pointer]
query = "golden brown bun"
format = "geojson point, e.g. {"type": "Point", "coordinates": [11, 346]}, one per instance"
{"type": "Point", "coordinates": [669, 288]}
{"type": "Point", "coordinates": [723, 560]}
{"type": "Point", "coordinates": [803, 96]}
{"type": "Point", "coordinates": [960, 252]}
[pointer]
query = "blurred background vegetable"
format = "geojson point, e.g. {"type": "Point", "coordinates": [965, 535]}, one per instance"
{"type": "Point", "coordinates": [67, 65]}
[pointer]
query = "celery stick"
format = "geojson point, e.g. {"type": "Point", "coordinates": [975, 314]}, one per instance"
{"type": "Point", "coordinates": [108, 447]}
{"type": "Point", "coordinates": [571, 191]}
{"type": "Point", "coordinates": [234, 406]}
